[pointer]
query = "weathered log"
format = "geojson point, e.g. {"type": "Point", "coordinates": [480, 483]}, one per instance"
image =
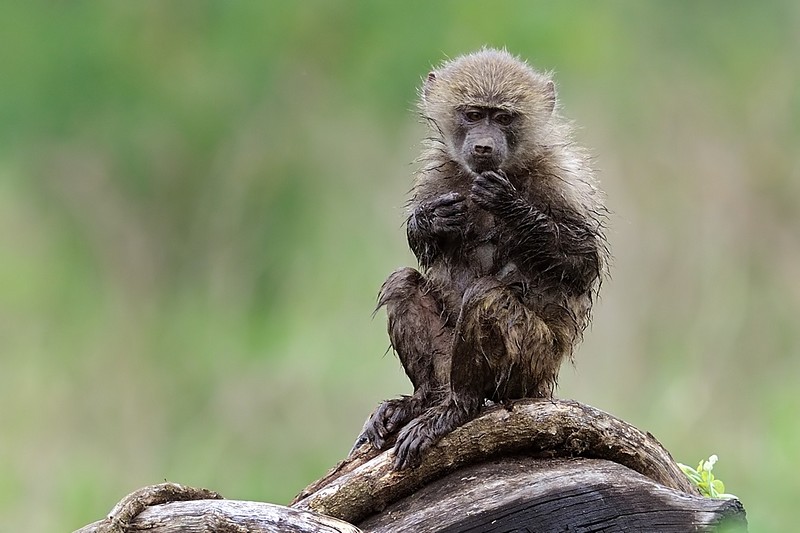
{"type": "Point", "coordinates": [530, 494]}
{"type": "Point", "coordinates": [545, 428]}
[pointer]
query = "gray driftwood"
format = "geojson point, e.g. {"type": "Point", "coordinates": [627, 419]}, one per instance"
{"type": "Point", "coordinates": [542, 465]}
{"type": "Point", "coordinates": [529, 494]}
{"type": "Point", "coordinates": [190, 511]}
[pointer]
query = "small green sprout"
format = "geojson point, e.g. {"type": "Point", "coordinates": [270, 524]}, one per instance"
{"type": "Point", "coordinates": [709, 486]}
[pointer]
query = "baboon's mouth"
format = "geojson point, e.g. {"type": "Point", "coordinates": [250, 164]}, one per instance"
{"type": "Point", "coordinates": [483, 163]}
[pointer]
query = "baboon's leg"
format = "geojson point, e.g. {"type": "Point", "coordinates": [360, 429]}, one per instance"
{"type": "Point", "coordinates": [501, 350]}
{"type": "Point", "coordinates": [422, 341]}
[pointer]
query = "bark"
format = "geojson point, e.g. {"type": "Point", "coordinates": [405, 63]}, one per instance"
{"type": "Point", "coordinates": [529, 494]}
{"type": "Point", "coordinates": [172, 508]}
{"type": "Point", "coordinates": [545, 428]}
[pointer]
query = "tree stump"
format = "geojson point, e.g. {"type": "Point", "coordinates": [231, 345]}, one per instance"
{"type": "Point", "coordinates": [540, 465]}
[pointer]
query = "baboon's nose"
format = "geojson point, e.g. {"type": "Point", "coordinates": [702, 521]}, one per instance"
{"type": "Point", "coordinates": [484, 147]}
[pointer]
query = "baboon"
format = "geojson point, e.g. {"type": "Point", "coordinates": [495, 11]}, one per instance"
{"type": "Point", "coordinates": [507, 223]}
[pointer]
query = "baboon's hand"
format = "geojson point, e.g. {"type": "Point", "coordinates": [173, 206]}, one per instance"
{"type": "Point", "coordinates": [492, 191]}
{"type": "Point", "coordinates": [446, 214]}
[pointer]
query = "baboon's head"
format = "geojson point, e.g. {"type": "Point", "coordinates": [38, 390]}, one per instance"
{"type": "Point", "coordinates": [490, 109]}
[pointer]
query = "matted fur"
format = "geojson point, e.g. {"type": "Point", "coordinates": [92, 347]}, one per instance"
{"type": "Point", "coordinates": [502, 300]}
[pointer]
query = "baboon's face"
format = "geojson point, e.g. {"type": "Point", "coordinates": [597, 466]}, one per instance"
{"type": "Point", "coordinates": [485, 136]}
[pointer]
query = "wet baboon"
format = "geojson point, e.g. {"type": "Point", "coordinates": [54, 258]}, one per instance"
{"type": "Point", "coordinates": [506, 221]}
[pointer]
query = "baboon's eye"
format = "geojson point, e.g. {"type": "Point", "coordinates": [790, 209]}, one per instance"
{"type": "Point", "coordinates": [473, 116]}
{"type": "Point", "coordinates": [504, 119]}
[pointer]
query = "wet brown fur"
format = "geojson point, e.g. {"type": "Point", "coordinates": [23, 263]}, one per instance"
{"type": "Point", "coordinates": [501, 301]}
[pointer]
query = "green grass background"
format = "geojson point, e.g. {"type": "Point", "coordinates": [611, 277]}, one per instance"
{"type": "Point", "coordinates": [199, 201]}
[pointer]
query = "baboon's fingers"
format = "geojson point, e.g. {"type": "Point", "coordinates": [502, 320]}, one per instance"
{"type": "Point", "coordinates": [412, 442]}
{"type": "Point", "coordinates": [375, 430]}
{"type": "Point", "coordinates": [493, 185]}
{"type": "Point", "coordinates": [451, 210]}
{"type": "Point", "coordinates": [397, 419]}
{"type": "Point", "coordinates": [446, 199]}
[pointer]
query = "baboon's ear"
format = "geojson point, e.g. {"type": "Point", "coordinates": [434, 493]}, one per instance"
{"type": "Point", "coordinates": [426, 87]}
{"type": "Point", "coordinates": [550, 95]}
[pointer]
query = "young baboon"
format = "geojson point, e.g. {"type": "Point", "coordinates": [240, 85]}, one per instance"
{"type": "Point", "coordinates": [506, 221]}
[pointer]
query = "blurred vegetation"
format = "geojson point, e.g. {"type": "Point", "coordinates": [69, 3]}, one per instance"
{"type": "Point", "coordinates": [199, 200]}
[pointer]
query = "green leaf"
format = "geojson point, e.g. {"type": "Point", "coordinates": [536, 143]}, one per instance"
{"type": "Point", "coordinates": [703, 478]}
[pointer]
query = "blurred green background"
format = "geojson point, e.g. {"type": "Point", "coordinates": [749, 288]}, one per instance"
{"type": "Point", "coordinates": [199, 201]}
